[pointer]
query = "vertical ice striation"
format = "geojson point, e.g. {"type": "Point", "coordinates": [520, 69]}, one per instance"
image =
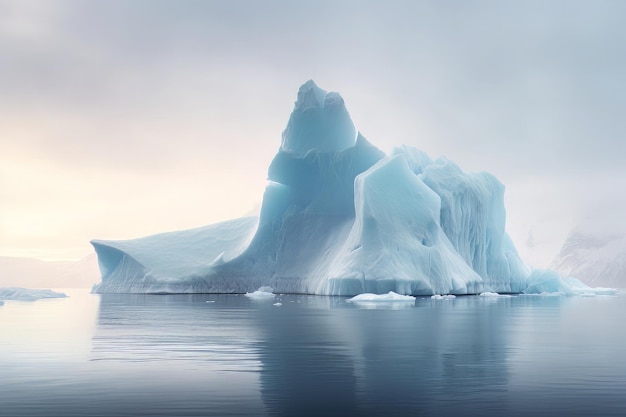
{"type": "Point", "coordinates": [396, 242]}
{"type": "Point", "coordinates": [473, 217]}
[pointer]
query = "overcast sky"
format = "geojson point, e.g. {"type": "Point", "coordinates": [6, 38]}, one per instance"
{"type": "Point", "coordinates": [125, 118]}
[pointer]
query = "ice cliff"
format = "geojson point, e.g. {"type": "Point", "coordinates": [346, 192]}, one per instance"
{"type": "Point", "coordinates": [338, 217]}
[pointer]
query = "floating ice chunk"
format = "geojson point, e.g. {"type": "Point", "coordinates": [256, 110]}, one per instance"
{"type": "Point", "coordinates": [389, 297]}
{"type": "Point", "coordinates": [542, 281]}
{"type": "Point", "coordinates": [277, 304]}
{"type": "Point", "coordinates": [443, 297]}
{"type": "Point", "coordinates": [579, 288]}
{"type": "Point", "coordinates": [494, 295]}
{"type": "Point", "coordinates": [27, 294]}
{"type": "Point", "coordinates": [263, 293]}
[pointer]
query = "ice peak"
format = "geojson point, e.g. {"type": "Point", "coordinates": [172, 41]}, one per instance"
{"type": "Point", "coordinates": [319, 122]}
{"type": "Point", "coordinates": [310, 95]}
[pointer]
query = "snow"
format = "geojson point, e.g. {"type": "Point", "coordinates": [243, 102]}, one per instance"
{"type": "Point", "coordinates": [443, 297]}
{"type": "Point", "coordinates": [594, 254]}
{"type": "Point", "coordinates": [494, 295]}
{"type": "Point", "coordinates": [27, 294]}
{"type": "Point", "coordinates": [389, 297]}
{"type": "Point", "coordinates": [263, 293]}
{"type": "Point", "coordinates": [170, 262]}
{"type": "Point", "coordinates": [340, 217]}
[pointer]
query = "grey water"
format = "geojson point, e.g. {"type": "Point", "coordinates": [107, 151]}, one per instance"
{"type": "Point", "coordinates": [220, 355]}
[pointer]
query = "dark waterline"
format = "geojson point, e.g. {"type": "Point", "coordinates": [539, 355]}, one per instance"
{"type": "Point", "coordinates": [205, 355]}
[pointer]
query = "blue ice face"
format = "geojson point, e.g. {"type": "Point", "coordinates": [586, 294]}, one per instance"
{"type": "Point", "coordinates": [340, 217]}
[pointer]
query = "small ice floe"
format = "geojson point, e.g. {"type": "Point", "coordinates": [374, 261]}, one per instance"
{"type": "Point", "coordinates": [277, 304]}
{"type": "Point", "coordinates": [494, 295]}
{"type": "Point", "coordinates": [263, 293]}
{"type": "Point", "coordinates": [389, 297]}
{"type": "Point", "coordinates": [443, 297]}
{"type": "Point", "coordinates": [389, 301]}
{"type": "Point", "coordinates": [210, 301]}
{"type": "Point", "coordinates": [28, 294]}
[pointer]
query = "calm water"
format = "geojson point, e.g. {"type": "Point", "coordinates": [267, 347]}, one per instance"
{"type": "Point", "coordinates": [178, 355]}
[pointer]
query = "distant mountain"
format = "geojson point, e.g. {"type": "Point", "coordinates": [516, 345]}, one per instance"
{"type": "Point", "coordinates": [595, 250]}
{"type": "Point", "coordinates": [35, 273]}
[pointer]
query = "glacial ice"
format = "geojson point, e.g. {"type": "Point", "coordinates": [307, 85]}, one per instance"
{"type": "Point", "coordinates": [443, 297]}
{"type": "Point", "coordinates": [263, 293]}
{"type": "Point", "coordinates": [339, 217]}
{"type": "Point", "coordinates": [389, 297]}
{"type": "Point", "coordinates": [172, 261]}
{"type": "Point", "coordinates": [494, 295]}
{"type": "Point", "coordinates": [28, 294]}
{"type": "Point", "coordinates": [544, 281]}
{"type": "Point", "coordinates": [319, 122]}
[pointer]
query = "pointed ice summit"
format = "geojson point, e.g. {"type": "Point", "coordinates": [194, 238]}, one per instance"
{"type": "Point", "coordinates": [319, 122]}
{"type": "Point", "coordinates": [340, 217]}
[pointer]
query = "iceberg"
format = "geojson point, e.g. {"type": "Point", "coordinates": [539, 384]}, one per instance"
{"type": "Point", "coordinates": [389, 297]}
{"type": "Point", "coordinates": [488, 294]}
{"type": "Point", "coordinates": [443, 297]}
{"type": "Point", "coordinates": [544, 281]}
{"type": "Point", "coordinates": [263, 293]}
{"type": "Point", "coordinates": [27, 294]}
{"type": "Point", "coordinates": [169, 262]}
{"type": "Point", "coordinates": [338, 217]}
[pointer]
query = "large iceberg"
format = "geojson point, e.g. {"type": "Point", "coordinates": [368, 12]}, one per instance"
{"type": "Point", "coordinates": [339, 217]}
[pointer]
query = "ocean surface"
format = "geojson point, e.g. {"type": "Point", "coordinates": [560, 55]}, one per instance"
{"type": "Point", "coordinates": [221, 355]}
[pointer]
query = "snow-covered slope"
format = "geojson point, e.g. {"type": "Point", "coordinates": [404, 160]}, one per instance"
{"type": "Point", "coordinates": [170, 262]}
{"type": "Point", "coordinates": [338, 217]}
{"type": "Point", "coordinates": [593, 257]}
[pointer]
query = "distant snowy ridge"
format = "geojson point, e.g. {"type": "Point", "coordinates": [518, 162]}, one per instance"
{"type": "Point", "coordinates": [339, 217]}
{"type": "Point", "coordinates": [28, 294]}
{"type": "Point", "coordinates": [597, 259]}
{"type": "Point", "coordinates": [35, 273]}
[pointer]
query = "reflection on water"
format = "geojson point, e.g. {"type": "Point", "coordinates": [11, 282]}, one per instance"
{"type": "Point", "coordinates": [187, 355]}
{"type": "Point", "coordinates": [382, 362]}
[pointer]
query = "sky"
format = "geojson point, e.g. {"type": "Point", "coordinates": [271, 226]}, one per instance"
{"type": "Point", "coordinates": [120, 119]}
